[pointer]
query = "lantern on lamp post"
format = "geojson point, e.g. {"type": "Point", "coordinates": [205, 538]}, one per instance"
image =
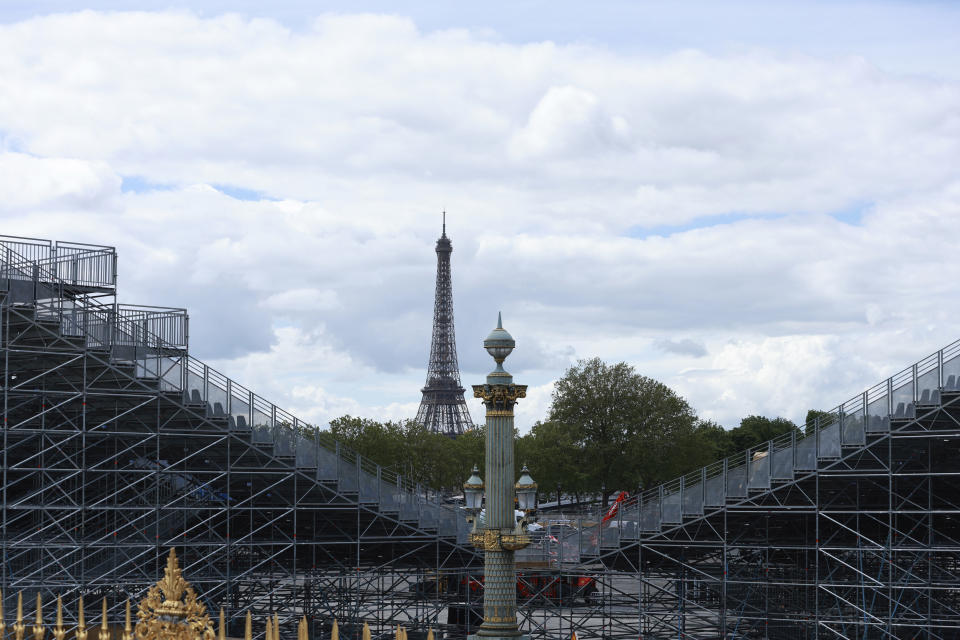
{"type": "Point", "coordinates": [473, 492]}
{"type": "Point", "coordinates": [526, 490]}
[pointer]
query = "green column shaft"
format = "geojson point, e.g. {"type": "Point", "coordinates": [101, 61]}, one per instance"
{"type": "Point", "coordinates": [500, 589]}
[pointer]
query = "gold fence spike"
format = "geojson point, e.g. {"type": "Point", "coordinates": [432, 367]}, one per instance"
{"type": "Point", "coordinates": [222, 631]}
{"type": "Point", "coordinates": [366, 632]}
{"type": "Point", "coordinates": [3, 625]}
{"type": "Point", "coordinates": [81, 632]}
{"type": "Point", "coordinates": [335, 631]}
{"type": "Point", "coordinates": [104, 628]}
{"type": "Point", "coordinates": [276, 626]}
{"type": "Point", "coordinates": [430, 634]}
{"type": "Point", "coordinates": [248, 629]}
{"type": "Point", "coordinates": [38, 629]}
{"type": "Point", "coordinates": [269, 634]}
{"type": "Point", "coordinates": [127, 628]}
{"type": "Point", "coordinates": [59, 633]}
{"type": "Point", "coordinates": [18, 626]}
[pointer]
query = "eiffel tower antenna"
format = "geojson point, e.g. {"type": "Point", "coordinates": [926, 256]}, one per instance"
{"type": "Point", "coordinates": [443, 408]}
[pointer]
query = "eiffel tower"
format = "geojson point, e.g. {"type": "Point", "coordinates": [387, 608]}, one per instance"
{"type": "Point", "coordinates": [443, 409]}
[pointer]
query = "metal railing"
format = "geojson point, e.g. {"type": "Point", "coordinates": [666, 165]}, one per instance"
{"type": "Point", "coordinates": [182, 616]}
{"type": "Point", "coordinates": [823, 438]}
{"type": "Point", "coordinates": [69, 263]}
{"type": "Point", "coordinates": [291, 437]}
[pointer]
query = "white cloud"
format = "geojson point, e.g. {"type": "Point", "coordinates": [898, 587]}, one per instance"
{"type": "Point", "coordinates": [28, 182]}
{"type": "Point", "coordinates": [607, 202]}
{"type": "Point", "coordinates": [569, 121]}
{"type": "Point", "coordinates": [302, 300]}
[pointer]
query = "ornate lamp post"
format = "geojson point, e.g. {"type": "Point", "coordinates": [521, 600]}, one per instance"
{"type": "Point", "coordinates": [500, 535]}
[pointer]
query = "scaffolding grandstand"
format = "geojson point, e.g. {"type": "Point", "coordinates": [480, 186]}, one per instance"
{"type": "Point", "coordinates": [118, 444]}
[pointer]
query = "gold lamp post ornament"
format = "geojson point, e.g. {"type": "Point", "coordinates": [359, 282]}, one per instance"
{"type": "Point", "coordinates": [171, 610]}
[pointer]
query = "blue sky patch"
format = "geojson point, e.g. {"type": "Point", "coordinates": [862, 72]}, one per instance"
{"type": "Point", "coordinates": [240, 193]}
{"type": "Point", "coordinates": [140, 184]}
{"type": "Point", "coordinates": [667, 230]}
{"type": "Point", "coordinates": [853, 215]}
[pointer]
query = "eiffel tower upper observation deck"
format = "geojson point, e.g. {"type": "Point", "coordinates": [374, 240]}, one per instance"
{"type": "Point", "coordinates": [443, 408]}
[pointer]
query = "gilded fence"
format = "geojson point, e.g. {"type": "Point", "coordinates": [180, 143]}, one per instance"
{"type": "Point", "coordinates": [170, 611]}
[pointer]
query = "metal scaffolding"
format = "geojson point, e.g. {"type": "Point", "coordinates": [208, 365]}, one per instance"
{"type": "Point", "coordinates": [117, 445]}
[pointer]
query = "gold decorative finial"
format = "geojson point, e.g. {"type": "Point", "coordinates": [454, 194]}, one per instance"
{"type": "Point", "coordinates": [38, 629]}
{"type": "Point", "coordinates": [59, 632]}
{"type": "Point", "coordinates": [3, 625]}
{"type": "Point", "coordinates": [366, 632]}
{"type": "Point", "coordinates": [276, 627]}
{"type": "Point", "coordinates": [18, 627]}
{"type": "Point", "coordinates": [335, 631]}
{"type": "Point", "coordinates": [127, 628]}
{"type": "Point", "coordinates": [81, 632]}
{"type": "Point", "coordinates": [269, 631]}
{"type": "Point", "coordinates": [248, 629]}
{"type": "Point", "coordinates": [171, 610]}
{"type": "Point", "coordinates": [222, 631]}
{"type": "Point", "coordinates": [302, 629]}
{"type": "Point", "coordinates": [430, 634]}
{"type": "Point", "coordinates": [104, 628]}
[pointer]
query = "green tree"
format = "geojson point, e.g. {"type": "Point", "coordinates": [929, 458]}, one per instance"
{"type": "Point", "coordinates": [714, 441]}
{"type": "Point", "coordinates": [408, 448]}
{"type": "Point", "coordinates": [551, 452]}
{"type": "Point", "coordinates": [467, 451]}
{"type": "Point", "coordinates": [754, 430]}
{"type": "Point", "coordinates": [825, 417]}
{"type": "Point", "coordinates": [624, 426]}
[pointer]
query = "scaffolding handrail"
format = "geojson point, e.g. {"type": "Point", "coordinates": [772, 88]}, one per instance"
{"type": "Point", "coordinates": [108, 325]}
{"type": "Point", "coordinates": [856, 408]}
{"type": "Point", "coordinates": [69, 263]}
{"type": "Point", "coordinates": [264, 414]}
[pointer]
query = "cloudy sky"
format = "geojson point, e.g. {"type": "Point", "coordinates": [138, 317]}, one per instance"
{"type": "Point", "coordinates": [759, 207]}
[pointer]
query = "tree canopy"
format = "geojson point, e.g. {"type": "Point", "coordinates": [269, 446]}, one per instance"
{"type": "Point", "coordinates": [623, 429]}
{"type": "Point", "coordinates": [410, 449]}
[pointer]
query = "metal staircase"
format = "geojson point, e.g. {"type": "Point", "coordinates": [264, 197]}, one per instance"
{"type": "Point", "coordinates": [118, 443]}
